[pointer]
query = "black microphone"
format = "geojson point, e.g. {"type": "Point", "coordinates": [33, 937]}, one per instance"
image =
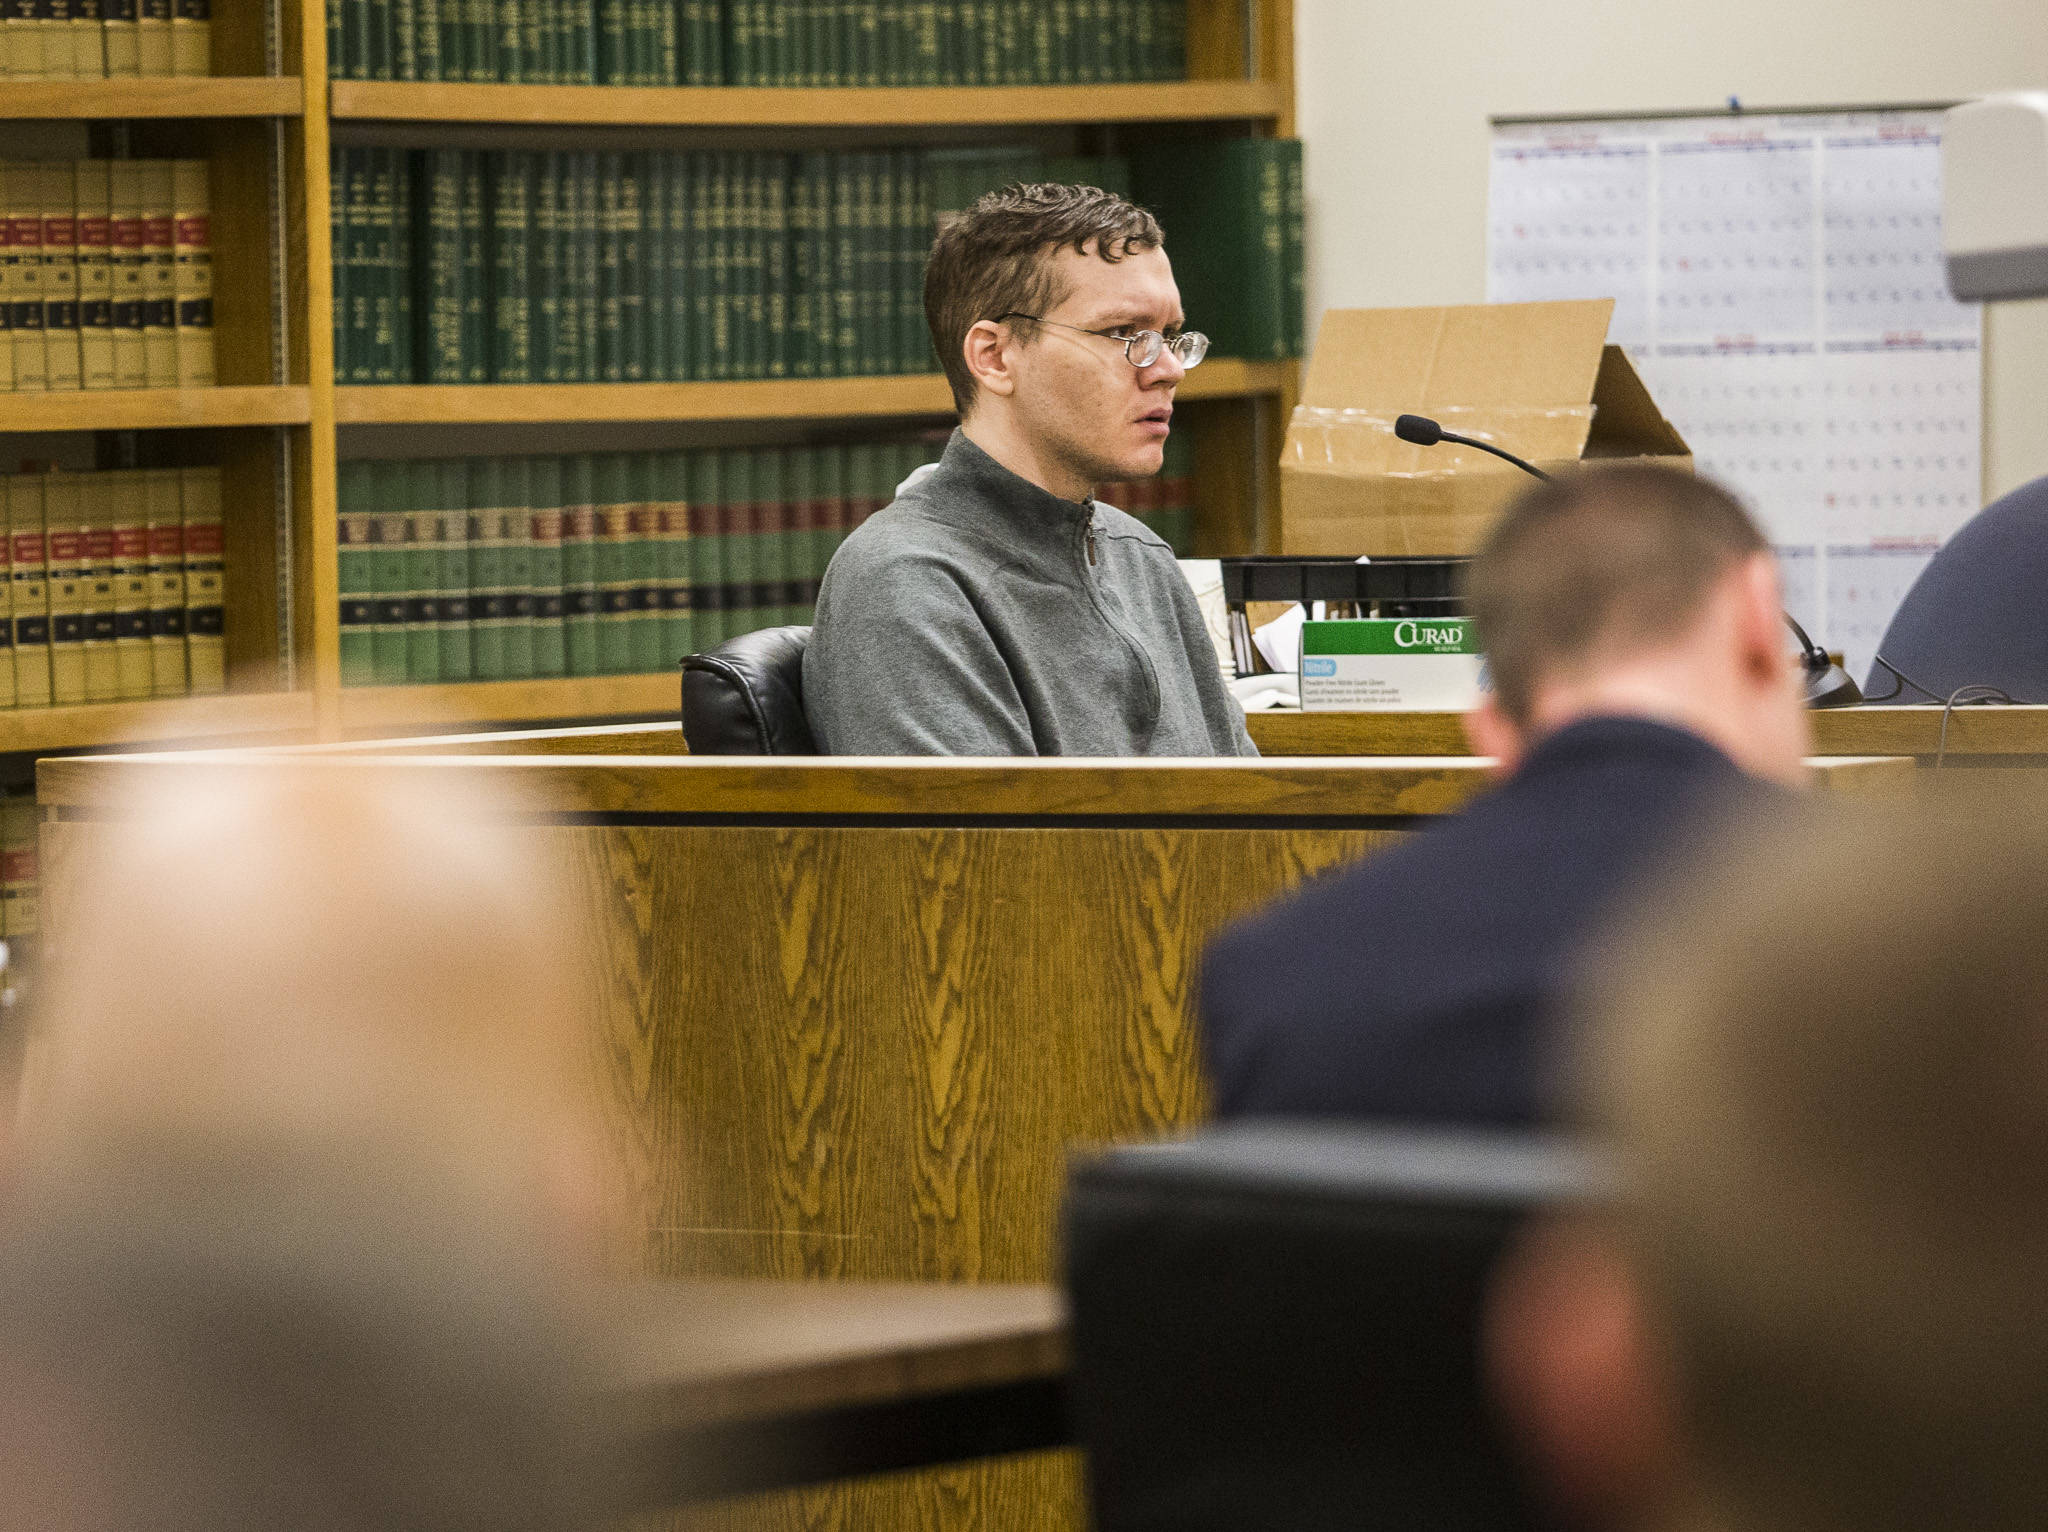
{"type": "Point", "coordinates": [1827, 684]}
{"type": "Point", "coordinates": [1424, 432]}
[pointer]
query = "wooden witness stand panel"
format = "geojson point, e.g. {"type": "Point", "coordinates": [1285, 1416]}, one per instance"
{"type": "Point", "coordinates": [854, 1015]}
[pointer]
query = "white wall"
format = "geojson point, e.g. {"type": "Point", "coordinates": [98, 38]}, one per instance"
{"type": "Point", "coordinates": [1395, 96]}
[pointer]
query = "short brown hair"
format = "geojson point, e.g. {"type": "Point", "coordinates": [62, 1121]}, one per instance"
{"type": "Point", "coordinates": [991, 260]}
{"type": "Point", "coordinates": [1835, 1156]}
{"type": "Point", "coordinates": [1599, 557]}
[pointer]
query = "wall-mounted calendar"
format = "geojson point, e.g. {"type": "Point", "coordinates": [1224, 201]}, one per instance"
{"type": "Point", "coordinates": [1778, 281]}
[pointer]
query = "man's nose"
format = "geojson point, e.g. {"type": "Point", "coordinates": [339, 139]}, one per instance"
{"type": "Point", "coordinates": [1166, 369]}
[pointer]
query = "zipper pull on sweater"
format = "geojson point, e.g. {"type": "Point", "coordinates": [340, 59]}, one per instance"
{"type": "Point", "coordinates": [1091, 543]}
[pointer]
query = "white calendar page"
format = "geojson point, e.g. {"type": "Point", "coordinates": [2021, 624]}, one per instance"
{"type": "Point", "coordinates": [1778, 283]}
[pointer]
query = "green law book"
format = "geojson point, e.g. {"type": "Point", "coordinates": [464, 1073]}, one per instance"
{"type": "Point", "coordinates": [426, 27]}
{"type": "Point", "coordinates": [339, 255]}
{"type": "Point", "coordinates": [515, 532]}
{"type": "Point", "coordinates": [589, 314]}
{"type": "Point", "coordinates": [667, 44]}
{"type": "Point", "coordinates": [544, 59]}
{"type": "Point", "coordinates": [739, 42]}
{"type": "Point", "coordinates": [832, 514]}
{"type": "Point", "coordinates": [771, 540]}
{"type": "Point", "coordinates": [554, 292]}
{"type": "Point", "coordinates": [612, 538]}
{"type": "Point", "coordinates": [967, 55]}
{"type": "Point", "coordinates": [707, 551]}
{"type": "Point", "coordinates": [550, 639]}
{"type": "Point", "coordinates": [490, 612]}
{"type": "Point", "coordinates": [819, 66]}
{"type": "Point", "coordinates": [479, 40]}
{"type": "Point", "coordinates": [775, 279]}
{"type": "Point", "coordinates": [643, 566]}
{"type": "Point", "coordinates": [654, 265]}
{"type": "Point", "coordinates": [511, 221]}
{"type": "Point", "coordinates": [389, 657]}
{"type": "Point", "coordinates": [677, 239]}
{"type": "Point", "coordinates": [1064, 43]}
{"type": "Point", "coordinates": [405, 63]}
{"type": "Point", "coordinates": [1222, 203]}
{"type": "Point", "coordinates": [403, 265]}
{"type": "Point", "coordinates": [610, 300]}
{"type": "Point", "coordinates": [800, 491]}
{"type": "Point", "coordinates": [437, 308]}
{"type": "Point", "coordinates": [121, 12]}
{"type": "Point", "coordinates": [673, 635]}
{"type": "Point", "coordinates": [613, 61]}
{"type": "Point", "coordinates": [801, 270]}
{"type": "Point", "coordinates": [451, 507]}
{"type": "Point", "coordinates": [1294, 312]}
{"type": "Point", "coordinates": [845, 269]}
{"type": "Point", "coordinates": [910, 346]}
{"type": "Point", "coordinates": [381, 219]}
{"type": "Point", "coordinates": [579, 565]}
{"type": "Point", "coordinates": [376, 35]}
{"type": "Point", "coordinates": [420, 489]}
{"type": "Point", "coordinates": [476, 270]}
{"type": "Point", "coordinates": [454, 21]}
{"type": "Point", "coordinates": [582, 42]}
{"type": "Point", "coordinates": [701, 176]}
{"type": "Point", "coordinates": [740, 526]}
{"type": "Point", "coordinates": [867, 45]}
{"type": "Point", "coordinates": [632, 275]}
{"type": "Point", "coordinates": [924, 43]}
{"type": "Point", "coordinates": [876, 314]}
{"type": "Point", "coordinates": [752, 252]}
{"type": "Point", "coordinates": [695, 66]}
{"type": "Point", "coordinates": [721, 210]}
{"type": "Point", "coordinates": [355, 493]}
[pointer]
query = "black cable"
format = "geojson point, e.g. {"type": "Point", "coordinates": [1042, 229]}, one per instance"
{"type": "Point", "coordinates": [1965, 696]}
{"type": "Point", "coordinates": [1902, 682]}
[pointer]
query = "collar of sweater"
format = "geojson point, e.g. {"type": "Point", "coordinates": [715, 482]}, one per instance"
{"type": "Point", "coordinates": [972, 490]}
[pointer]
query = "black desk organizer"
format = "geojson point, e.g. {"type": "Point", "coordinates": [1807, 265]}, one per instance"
{"type": "Point", "coordinates": [1386, 587]}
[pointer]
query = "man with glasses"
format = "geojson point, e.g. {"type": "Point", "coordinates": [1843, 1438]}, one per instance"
{"type": "Point", "coordinates": [995, 608]}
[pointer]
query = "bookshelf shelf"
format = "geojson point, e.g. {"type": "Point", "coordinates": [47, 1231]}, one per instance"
{"type": "Point", "coordinates": [772, 107]}
{"type": "Point", "coordinates": [389, 707]}
{"type": "Point", "coordinates": [255, 96]}
{"type": "Point", "coordinates": [776, 399]}
{"type": "Point", "coordinates": [233, 716]}
{"type": "Point", "coordinates": [154, 409]}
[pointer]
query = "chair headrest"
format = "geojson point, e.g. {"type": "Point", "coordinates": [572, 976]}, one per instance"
{"type": "Point", "coordinates": [746, 697]}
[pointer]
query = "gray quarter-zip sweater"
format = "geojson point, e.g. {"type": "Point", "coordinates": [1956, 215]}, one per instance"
{"type": "Point", "coordinates": [981, 615]}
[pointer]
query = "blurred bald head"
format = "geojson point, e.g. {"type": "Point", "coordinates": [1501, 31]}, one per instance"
{"type": "Point", "coordinates": [323, 954]}
{"type": "Point", "coordinates": [1826, 1077]}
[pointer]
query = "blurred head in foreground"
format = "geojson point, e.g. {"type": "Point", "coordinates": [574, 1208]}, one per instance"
{"type": "Point", "coordinates": [1825, 1080]}
{"type": "Point", "coordinates": [1641, 591]}
{"type": "Point", "coordinates": [306, 1175]}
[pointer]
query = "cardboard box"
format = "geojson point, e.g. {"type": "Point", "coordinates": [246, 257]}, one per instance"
{"type": "Point", "coordinates": [1533, 378]}
{"type": "Point", "coordinates": [1388, 664]}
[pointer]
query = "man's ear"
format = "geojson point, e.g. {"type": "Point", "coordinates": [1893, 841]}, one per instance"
{"type": "Point", "coordinates": [1760, 618]}
{"type": "Point", "coordinates": [986, 349]}
{"type": "Point", "coordinates": [1491, 732]}
{"type": "Point", "coordinates": [1580, 1376]}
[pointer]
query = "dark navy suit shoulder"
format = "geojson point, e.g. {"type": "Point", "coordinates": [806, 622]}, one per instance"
{"type": "Point", "coordinates": [1422, 982]}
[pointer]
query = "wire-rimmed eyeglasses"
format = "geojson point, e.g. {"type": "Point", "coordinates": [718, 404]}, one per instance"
{"type": "Point", "coordinates": [1141, 347]}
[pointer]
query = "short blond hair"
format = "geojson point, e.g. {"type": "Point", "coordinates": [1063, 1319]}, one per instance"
{"type": "Point", "coordinates": [1599, 558]}
{"type": "Point", "coordinates": [1826, 1077]}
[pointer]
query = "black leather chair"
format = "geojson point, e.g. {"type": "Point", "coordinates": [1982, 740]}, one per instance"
{"type": "Point", "coordinates": [746, 697]}
{"type": "Point", "coordinates": [1277, 1325]}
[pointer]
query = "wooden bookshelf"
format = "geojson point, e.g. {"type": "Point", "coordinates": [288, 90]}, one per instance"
{"type": "Point", "coordinates": [154, 409]}
{"type": "Point", "coordinates": [771, 107]}
{"type": "Point", "coordinates": [194, 720]}
{"type": "Point", "coordinates": [778, 399]}
{"type": "Point", "coordinates": [387, 708]}
{"type": "Point", "coordinates": [254, 96]}
{"type": "Point", "coordinates": [274, 429]}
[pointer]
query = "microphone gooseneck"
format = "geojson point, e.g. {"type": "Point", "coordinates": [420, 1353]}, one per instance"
{"type": "Point", "coordinates": [1424, 432]}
